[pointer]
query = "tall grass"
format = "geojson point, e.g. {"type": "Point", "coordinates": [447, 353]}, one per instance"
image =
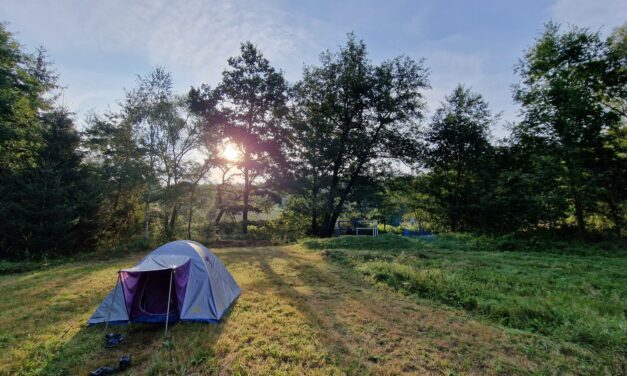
{"type": "Point", "coordinates": [576, 294]}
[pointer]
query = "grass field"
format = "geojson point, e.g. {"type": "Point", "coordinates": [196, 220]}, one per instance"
{"type": "Point", "coordinates": [574, 300]}
{"type": "Point", "coordinates": [304, 311]}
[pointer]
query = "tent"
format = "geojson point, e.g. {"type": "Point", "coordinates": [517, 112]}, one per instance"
{"type": "Point", "coordinates": [179, 281]}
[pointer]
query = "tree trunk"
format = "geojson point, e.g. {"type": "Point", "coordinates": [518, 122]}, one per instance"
{"type": "Point", "coordinates": [148, 183]}
{"type": "Point", "coordinates": [329, 226]}
{"type": "Point", "coordinates": [189, 214]}
{"type": "Point", "coordinates": [314, 209]}
{"type": "Point", "coordinates": [314, 224]}
{"type": "Point", "coordinates": [246, 195]}
{"type": "Point", "coordinates": [579, 215]}
{"type": "Point", "coordinates": [147, 217]}
{"type": "Point", "coordinates": [576, 196]}
{"type": "Point", "coordinates": [456, 210]}
{"type": "Point", "coordinates": [219, 217]}
{"type": "Point", "coordinates": [616, 216]}
{"type": "Point", "coordinates": [172, 224]}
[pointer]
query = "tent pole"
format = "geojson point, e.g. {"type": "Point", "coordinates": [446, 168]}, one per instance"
{"type": "Point", "coordinates": [115, 290]}
{"type": "Point", "coordinates": [167, 315]}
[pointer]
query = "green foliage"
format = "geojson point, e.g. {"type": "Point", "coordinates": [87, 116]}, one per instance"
{"type": "Point", "coordinates": [458, 154]}
{"type": "Point", "coordinates": [574, 295]}
{"type": "Point", "coordinates": [350, 117]}
{"type": "Point", "coordinates": [51, 206]}
{"type": "Point", "coordinates": [25, 79]}
{"type": "Point", "coordinates": [573, 96]}
{"type": "Point", "coordinates": [249, 107]}
{"type": "Point", "coordinates": [120, 170]}
{"type": "Point", "coordinates": [324, 149]}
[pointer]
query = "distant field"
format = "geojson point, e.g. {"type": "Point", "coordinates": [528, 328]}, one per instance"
{"type": "Point", "coordinates": [575, 300]}
{"type": "Point", "coordinates": [316, 313]}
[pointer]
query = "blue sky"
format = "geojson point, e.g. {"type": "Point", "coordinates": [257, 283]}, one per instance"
{"type": "Point", "coordinates": [98, 47]}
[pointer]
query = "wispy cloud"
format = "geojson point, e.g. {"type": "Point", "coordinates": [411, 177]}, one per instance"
{"type": "Point", "coordinates": [99, 46]}
{"type": "Point", "coordinates": [600, 14]}
{"type": "Point", "coordinates": [196, 35]}
{"type": "Point", "coordinates": [115, 38]}
{"type": "Point", "coordinates": [449, 68]}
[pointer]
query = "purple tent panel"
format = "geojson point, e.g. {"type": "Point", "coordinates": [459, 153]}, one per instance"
{"type": "Point", "coordinates": [146, 292]}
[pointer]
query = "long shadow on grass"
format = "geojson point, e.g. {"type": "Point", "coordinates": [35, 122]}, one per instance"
{"type": "Point", "coordinates": [304, 273]}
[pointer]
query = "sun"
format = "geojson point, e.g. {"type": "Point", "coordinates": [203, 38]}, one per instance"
{"type": "Point", "coordinates": [230, 152]}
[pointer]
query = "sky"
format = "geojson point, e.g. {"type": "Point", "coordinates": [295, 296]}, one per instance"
{"type": "Point", "coordinates": [99, 47]}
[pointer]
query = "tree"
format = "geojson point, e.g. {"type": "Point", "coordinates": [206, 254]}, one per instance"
{"type": "Point", "coordinates": [168, 132]}
{"type": "Point", "coordinates": [150, 108]}
{"type": "Point", "coordinates": [572, 93]}
{"type": "Point", "coordinates": [521, 193]}
{"type": "Point", "coordinates": [119, 164]}
{"type": "Point", "coordinates": [51, 205]}
{"type": "Point", "coordinates": [457, 153]}
{"type": "Point", "coordinates": [183, 134]}
{"type": "Point", "coordinates": [46, 199]}
{"type": "Point", "coordinates": [25, 80]}
{"type": "Point", "coordinates": [350, 119]}
{"type": "Point", "coordinates": [252, 104]}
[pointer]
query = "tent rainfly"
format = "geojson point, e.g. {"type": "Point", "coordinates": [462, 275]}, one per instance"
{"type": "Point", "coordinates": [179, 281]}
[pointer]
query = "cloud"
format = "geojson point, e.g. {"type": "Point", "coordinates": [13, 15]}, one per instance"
{"type": "Point", "coordinates": [101, 45]}
{"type": "Point", "coordinates": [598, 15]}
{"type": "Point", "coordinates": [194, 35]}
{"type": "Point", "coordinates": [449, 68]}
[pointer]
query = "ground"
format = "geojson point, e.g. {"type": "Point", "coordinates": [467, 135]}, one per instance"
{"type": "Point", "coordinates": [299, 313]}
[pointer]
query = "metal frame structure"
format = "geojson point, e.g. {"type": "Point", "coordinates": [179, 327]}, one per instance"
{"type": "Point", "coordinates": [167, 315]}
{"type": "Point", "coordinates": [374, 228]}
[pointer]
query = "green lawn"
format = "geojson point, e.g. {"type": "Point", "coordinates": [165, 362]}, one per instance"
{"type": "Point", "coordinates": [576, 300]}
{"type": "Point", "coordinates": [316, 312]}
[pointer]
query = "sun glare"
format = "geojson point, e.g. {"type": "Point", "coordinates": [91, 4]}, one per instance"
{"type": "Point", "coordinates": [230, 152]}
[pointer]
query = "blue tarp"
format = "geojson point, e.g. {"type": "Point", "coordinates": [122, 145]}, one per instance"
{"type": "Point", "coordinates": [198, 284]}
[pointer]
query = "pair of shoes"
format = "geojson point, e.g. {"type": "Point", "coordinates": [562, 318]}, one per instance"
{"type": "Point", "coordinates": [102, 371]}
{"type": "Point", "coordinates": [113, 339]}
{"type": "Point", "coordinates": [123, 364]}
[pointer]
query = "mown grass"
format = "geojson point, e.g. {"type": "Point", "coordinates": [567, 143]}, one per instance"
{"type": "Point", "coordinates": [576, 296]}
{"type": "Point", "coordinates": [298, 315]}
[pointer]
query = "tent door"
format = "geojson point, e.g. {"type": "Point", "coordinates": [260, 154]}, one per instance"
{"type": "Point", "coordinates": [151, 304]}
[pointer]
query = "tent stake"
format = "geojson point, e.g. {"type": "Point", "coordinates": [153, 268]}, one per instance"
{"type": "Point", "coordinates": [112, 301]}
{"type": "Point", "coordinates": [167, 315]}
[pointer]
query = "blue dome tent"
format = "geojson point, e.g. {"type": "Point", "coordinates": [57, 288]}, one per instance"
{"type": "Point", "coordinates": [179, 281]}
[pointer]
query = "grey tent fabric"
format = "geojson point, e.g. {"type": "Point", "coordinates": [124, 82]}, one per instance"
{"type": "Point", "coordinates": [202, 288]}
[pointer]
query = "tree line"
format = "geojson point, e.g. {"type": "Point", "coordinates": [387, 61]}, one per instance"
{"type": "Point", "coordinates": [351, 138]}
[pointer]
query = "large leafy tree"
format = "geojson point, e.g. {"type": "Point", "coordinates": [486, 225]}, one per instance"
{"type": "Point", "coordinates": [25, 81]}
{"type": "Point", "coordinates": [118, 161]}
{"type": "Point", "coordinates": [350, 120]}
{"type": "Point", "coordinates": [250, 106]}
{"type": "Point", "coordinates": [50, 206]}
{"type": "Point", "coordinates": [572, 93]}
{"type": "Point", "coordinates": [46, 198]}
{"type": "Point", "coordinates": [168, 132]}
{"type": "Point", "coordinates": [150, 108]}
{"type": "Point", "coordinates": [458, 154]}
